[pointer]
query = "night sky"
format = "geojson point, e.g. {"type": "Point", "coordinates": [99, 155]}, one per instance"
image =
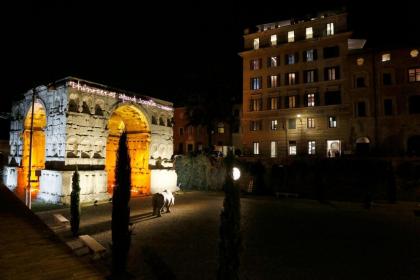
{"type": "Point", "coordinates": [165, 49]}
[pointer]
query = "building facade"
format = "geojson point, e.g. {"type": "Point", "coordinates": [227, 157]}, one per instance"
{"type": "Point", "coordinates": [74, 122]}
{"type": "Point", "coordinates": [195, 138]}
{"type": "Point", "coordinates": [301, 91]}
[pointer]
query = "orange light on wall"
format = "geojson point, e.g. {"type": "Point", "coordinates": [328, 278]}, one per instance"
{"type": "Point", "coordinates": [38, 149]}
{"type": "Point", "coordinates": [131, 119]}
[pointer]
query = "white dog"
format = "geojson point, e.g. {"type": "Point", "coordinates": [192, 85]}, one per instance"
{"type": "Point", "coordinates": [161, 200]}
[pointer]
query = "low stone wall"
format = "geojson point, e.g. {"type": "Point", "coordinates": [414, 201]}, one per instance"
{"type": "Point", "coordinates": [10, 177]}
{"type": "Point", "coordinates": [55, 186]}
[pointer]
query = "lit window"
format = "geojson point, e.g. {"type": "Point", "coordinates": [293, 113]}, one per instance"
{"type": "Point", "coordinates": [292, 148]}
{"type": "Point", "coordinates": [274, 103]}
{"type": "Point", "coordinates": [292, 101]}
{"type": "Point", "coordinates": [273, 40]}
{"type": "Point", "coordinates": [256, 83]}
{"type": "Point", "coordinates": [292, 78]}
{"type": "Point", "coordinates": [310, 123]}
{"type": "Point", "coordinates": [310, 76]}
{"type": "Point", "coordinates": [414, 75]}
{"type": "Point", "coordinates": [331, 74]}
{"type": "Point", "coordinates": [255, 64]}
{"type": "Point", "coordinates": [256, 43]}
{"type": "Point", "coordinates": [255, 125]}
{"type": "Point", "coordinates": [273, 149]}
{"type": "Point", "coordinates": [272, 81]}
{"type": "Point", "coordinates": [220, 128]}
{"type": "Point", "coordinates": [255, 105]}
{"type": "Point", "coordinates": [311, 147]}
{"type": "Point", "coordinates": [360, 61]}
{"type": "Point", "coordinates": [291, 36]}
{"type": "Point", "coordinates": [256, 148]}
{"type": "Point", "coordinates": [291, 59]}
{"type": "Point", "coordinates": [414, 53]}
{"type": "Point", "coordinates": [332, 122]}
{"type": "Point", "coordinates": [311, 99]}
{"type": "Point", "coordinates": [273, 61]}
{"type": "Point", "coordinates": [309, 33]}
{"type": "Point", "coordinates": [310, 55]}
{"type": "Point", "coordinates": [330, 29]}
{"type": "Point", "coordinates": [386, 57]}
{"type": "Point", "coordinates": [274, 124]}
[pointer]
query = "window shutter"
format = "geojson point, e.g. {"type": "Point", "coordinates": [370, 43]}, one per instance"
{"type": "Point", "coordinates": [286, 101]}
{"type": "Point", "coordinates": [337, 72]}
{"type": "Point", "coordinates": [286, 79]}
{"type": "Point", "coordinates": [250, 105]}
{"type": "Point", "coordinates": [286, 59]}
{"type": "Point", "coordinates": [278, 103]}
{"type": "Point", "coordinates": [297, 101]}
{"type": "Point", "coordinates": [315, 54]}
{"type": "Point", "coordinates": [304, 56]}
{"type": "Point", "coordinates": [325, 74]}
{"type": "Point", "coordinates": [305, 100]}
{"type": "Point", "coordinates": [316, 75]}
{"type": "Point", "coordinates": [296, 57]}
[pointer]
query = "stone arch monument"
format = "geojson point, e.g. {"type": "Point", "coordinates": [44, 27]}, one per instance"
{"type": "Point", "coordinates": [78, 123]}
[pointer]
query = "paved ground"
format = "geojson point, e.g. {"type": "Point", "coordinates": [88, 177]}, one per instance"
{"type": "Point", "coordinates": [283, 239]}
{"type": "Point", "coordinates": [30, 250]}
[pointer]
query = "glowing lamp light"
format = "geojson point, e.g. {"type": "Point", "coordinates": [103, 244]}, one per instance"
{"type": "Point", "coordinates": [298, 115]}
{"type": "Point", "coordinates": [236, 173]}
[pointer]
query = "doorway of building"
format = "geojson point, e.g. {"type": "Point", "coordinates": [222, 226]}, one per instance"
{"type": "Point", "coordinates": [130, 118]}
{"type": "Point", "coordinates": [38, 148]}
{"type": "Point", "coordinates": [333, 148]}
{"type": "Point", "coordinates": [362, 146]}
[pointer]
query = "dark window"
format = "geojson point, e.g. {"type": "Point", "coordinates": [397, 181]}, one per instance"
{"type": "Point", "coordinates": [332, 97]}
{"type": "Point", "coordinates": [360, 82]}
{"type": "Point", "coordinates": [388, 107]}
{"type": "Point", "coordinates": [387, 79]}
{"type": "Point", "coordinates": [361, 109]}
{"type": "Point", "coordinates": [414, 104]}
{"type": "Point", "coordinates": [330, 52]}
{"type": "Point", "coordinates": [291, 123]}
{"type": "Point", "coordinates": [181, 148]}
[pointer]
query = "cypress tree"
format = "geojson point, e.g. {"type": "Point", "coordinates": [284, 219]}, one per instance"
{"type": "Point", "coordinates": [230, 240]}
{"type": "Point", "coordinates": [121, 235]}
{"type": "Point", "coordinates": [75, 204]}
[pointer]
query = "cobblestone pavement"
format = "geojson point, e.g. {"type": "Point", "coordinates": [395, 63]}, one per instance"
{"type": "Point", "coordinates": [283, 238]}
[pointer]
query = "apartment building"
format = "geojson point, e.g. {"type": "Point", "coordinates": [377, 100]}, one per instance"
{"type": "Point", "coordinates": [303, 93]}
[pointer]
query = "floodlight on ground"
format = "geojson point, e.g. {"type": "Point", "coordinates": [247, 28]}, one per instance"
{"type": "Point", "coordinates": [236, 173]}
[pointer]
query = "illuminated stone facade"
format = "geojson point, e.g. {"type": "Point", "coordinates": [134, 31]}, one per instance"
{"type": "Point", "coordinates": [304, 92]}
{"type": "Point", "coordinates": [78, 123]}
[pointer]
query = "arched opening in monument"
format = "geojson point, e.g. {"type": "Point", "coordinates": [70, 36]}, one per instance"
{"type": "Point", "coordinates": [38, 148]}
{"type": "Point", "coordinates": [134, 122]}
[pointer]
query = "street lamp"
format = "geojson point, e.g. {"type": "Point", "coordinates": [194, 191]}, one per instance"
{"type": "Point", "coordinates": [300, 131]}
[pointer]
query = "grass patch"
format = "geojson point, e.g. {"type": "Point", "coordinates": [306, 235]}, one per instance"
{"type": "Point", "coordinates": [39, 206]}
